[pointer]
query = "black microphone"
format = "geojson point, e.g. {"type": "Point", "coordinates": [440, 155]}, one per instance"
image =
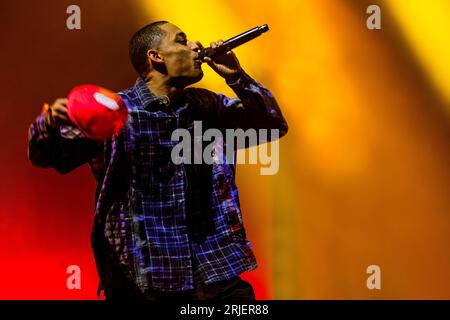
{"type": "Point", "coordinates": [233, 42]}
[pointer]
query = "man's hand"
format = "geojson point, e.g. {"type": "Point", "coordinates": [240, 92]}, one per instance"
{"type": "Point", "coordinates": [56, 114]}
{"type": "Point", "coordinates": [226, 65]}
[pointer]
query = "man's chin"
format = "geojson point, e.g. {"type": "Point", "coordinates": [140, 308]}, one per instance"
{"type": "Point", "coordinates": [191, 79]}
{"type": "Point", "coordinates": [200, 76]}
{"type": "Point", "coordinates": [196, 78]}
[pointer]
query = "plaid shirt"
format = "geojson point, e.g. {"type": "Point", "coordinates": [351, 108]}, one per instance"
{"type": "Point", "coordinates": [157, 222]}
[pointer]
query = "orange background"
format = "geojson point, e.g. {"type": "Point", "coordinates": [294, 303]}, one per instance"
{"type": "Point", "coordinates": [364, 174]}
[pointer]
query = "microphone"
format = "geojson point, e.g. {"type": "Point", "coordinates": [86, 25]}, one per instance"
{"type": "Point", "coordinates": [233, 42]}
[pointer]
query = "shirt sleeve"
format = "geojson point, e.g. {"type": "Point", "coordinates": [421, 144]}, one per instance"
{"type": "Point", "coordinates": [63, 149]}
{"type": "Point", "coordinates": [254, 108]}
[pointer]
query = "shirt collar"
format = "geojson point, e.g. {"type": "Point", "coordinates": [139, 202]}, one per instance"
{"type": "Point", "coordinates": [148, 98]}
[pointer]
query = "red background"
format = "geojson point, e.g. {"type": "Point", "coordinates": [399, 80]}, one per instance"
{"type": "Point", "coordinates": [46, 217]}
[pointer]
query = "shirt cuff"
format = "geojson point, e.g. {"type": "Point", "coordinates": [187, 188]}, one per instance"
{"type": "Point", "coordinates": [239, 79]}
{"type": "Point", "coordinates": [65, 131]}
{"type": "Point", "coordinates": [44, 129]}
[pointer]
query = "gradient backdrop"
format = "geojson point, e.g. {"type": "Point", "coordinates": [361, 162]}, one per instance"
{"type": "Point", "coordinates": [364, 176]}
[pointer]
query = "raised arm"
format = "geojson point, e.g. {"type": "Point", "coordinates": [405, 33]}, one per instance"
{"type": "Point", "coordinates": [254, 108]}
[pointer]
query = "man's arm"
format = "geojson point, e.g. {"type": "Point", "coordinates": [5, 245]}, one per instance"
{"type": "Point", "coordinates": [255, 107]}
{"type": "Point", "coordinates": [54, 142]}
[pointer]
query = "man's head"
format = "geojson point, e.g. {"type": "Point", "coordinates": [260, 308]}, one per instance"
{"type": "Point", "coordinates": [162, 47]}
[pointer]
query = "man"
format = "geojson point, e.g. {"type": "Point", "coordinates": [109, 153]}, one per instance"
{"type": "Point", "coordinates": [164, 230]}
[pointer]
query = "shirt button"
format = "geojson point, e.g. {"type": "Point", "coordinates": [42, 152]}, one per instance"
{"type": "Point", "coordinates": [180, 173]}
{"type": "Point", "coordinates": [180, 201]}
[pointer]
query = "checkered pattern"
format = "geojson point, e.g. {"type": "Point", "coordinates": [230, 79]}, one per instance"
{"type": "Point", "coordinates": [157, 222]}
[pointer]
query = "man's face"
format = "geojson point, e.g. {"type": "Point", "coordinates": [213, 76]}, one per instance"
{"type": "Point", "coordinates": [179, 55]}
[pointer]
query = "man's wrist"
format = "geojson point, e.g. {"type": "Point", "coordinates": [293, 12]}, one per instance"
{"type": "Point", "coordinates": [48, 129]}
{"type": "Point", "coordinates": [46, 116]}
{"type": "Point", "coordinates": [234, 78]}
{"type": "Point", "coordinates": [50, 125]}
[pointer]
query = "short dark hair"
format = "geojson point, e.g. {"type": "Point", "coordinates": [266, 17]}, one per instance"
{"type": "Point", "coordinates": [148, 37]}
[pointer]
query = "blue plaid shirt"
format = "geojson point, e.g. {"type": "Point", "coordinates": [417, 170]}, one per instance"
{"type": "Point", "coordinates": [156, 222]}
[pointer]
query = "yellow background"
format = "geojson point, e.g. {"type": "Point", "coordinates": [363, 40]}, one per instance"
{"type": "Point", "coordinates": [364, 174]}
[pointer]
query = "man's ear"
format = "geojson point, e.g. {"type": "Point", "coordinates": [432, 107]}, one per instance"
{"type": "Point", "coordinates": [154, 56]}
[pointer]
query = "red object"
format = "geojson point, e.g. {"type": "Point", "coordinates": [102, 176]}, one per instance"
{"type": "Point", "coordinates": [98, 112]}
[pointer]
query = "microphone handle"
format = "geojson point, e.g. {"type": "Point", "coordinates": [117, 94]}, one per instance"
{"type": "Point", "coordinates": [233, 42]}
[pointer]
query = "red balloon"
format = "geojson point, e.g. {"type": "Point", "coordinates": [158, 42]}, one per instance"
{"type": "Point", "coordinates": [98, 112]}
